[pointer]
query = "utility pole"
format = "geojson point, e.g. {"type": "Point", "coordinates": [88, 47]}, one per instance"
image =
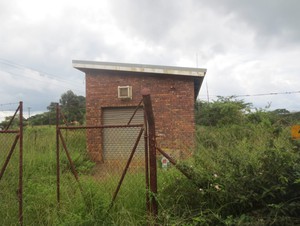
{"type": "Point", "coordinates": [28, 115]}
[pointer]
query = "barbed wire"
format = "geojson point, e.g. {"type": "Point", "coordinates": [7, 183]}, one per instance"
{"type": "Point", "coordinates": [41, 73]}
{"type": "Point", "coordinates": [253, 95]}
{"type": "Point", "coordinates": [7, 104]}
{"type": "Point", "coordinates": [8, 107]}
{"type": "Point", "coordinates": [268, 94]}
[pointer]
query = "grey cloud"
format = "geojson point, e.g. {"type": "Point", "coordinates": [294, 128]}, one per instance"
{"type": "Point", "coordinates": [181, 27]}
{"type": "Point", "coordinates": [225, 35]}
{"type": "Point", "coordinates": [271, 19]}
{"type": "Point", "coordinates": [152, 20]}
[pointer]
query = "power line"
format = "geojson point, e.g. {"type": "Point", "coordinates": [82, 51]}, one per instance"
{"type": "Point", "coordinates": [260, 94]}
{"type": "Point", "coordinates": [22, 67]}
{"type": "Point", "coordinates": [268, 94]}
{"type": "Point", "coordinates": [8, 104]}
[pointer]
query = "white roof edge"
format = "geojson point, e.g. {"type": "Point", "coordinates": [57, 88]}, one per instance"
{"type": "Point", "coordinates": [81, 65]}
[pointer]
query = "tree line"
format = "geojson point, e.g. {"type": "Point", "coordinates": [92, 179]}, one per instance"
{"type": "Point", "coordinates": [232, 111]}
{"type": "Point", "coordinates": [223, 111]}
{"type": "Point", "coordinates": [71, 105]}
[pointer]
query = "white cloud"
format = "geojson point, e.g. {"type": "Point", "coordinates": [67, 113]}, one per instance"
{"type": "Point", "coordinates": [247, 47]}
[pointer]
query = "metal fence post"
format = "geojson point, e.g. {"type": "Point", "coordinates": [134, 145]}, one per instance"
{"type": "Point", "coordinates": [146, 163]}
{"type": "Point", "coordinates": [152, 152]}
{"type": "Point", "coordinates": [20, 192]}
{"type": "Point", "coordinates": [57, 155]}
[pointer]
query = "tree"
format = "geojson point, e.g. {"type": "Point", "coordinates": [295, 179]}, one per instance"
{"type": "Point", "coordinates": [42, 119]}
{"type": "Point", "coordinates": [281, 111]}
{"type": "Point", "coordinates": [14, 124]}
{"type": "Point", "coordinates": [52, 107]}
{"type": "Point", "coordinates": [73, 106]}
{"type": "Point", "coordinates": [51, 113]}
{"type": "Point", "coordinates": [223, 111]}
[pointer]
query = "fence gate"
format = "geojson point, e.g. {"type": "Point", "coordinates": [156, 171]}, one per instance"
{"type": "Point", "coordinates": [127, 148]}
{"type": "Point", "coordinates": [122, 143]}
{"type": "Point", "coordinates": [9, 138]}
{"type": "Point", "coordinates": [126, 136]}
{"type": "Point", "coordinates": [131, 147]}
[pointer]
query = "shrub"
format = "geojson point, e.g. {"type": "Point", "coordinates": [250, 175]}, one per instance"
{"type": "Point", "coordinates": [239, 174]}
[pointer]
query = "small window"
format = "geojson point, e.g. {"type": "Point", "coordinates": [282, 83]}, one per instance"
{"type": "Point", "coordinates": [125, 92]}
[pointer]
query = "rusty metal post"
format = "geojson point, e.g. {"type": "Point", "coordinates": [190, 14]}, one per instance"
{"type": "Point", "coordinates": [135, 110]}
{"type": "Point", "coordinates": [57, 155]}
{"type": "Point", "coordinates": [152, 152]}
{"type": "Point", "coordinates": [173, 161]}
{"type": "Point", "coordinates": [9, 156]}
{"type": "Point", "coordinates": [20, 191]}
{"type": "Point", "coordinates": [73, 170]}
{"type": "Point", "coordinates": [146, 162]}
{"type": "Point", "coordinates": [11, 120]}
{"type": "Point", "coordinates": [127, 166]}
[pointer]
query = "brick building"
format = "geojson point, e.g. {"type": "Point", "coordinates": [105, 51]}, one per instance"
{"type": "Point", "coordinates": [113, 90]}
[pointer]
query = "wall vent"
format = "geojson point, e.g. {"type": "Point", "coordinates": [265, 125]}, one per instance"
{"type": "Point", "coordinates": [125, 92]}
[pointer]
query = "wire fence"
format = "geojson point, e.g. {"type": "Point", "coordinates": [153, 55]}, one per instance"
{"type": "Point", "coordinates": [11, 163]}
{"type": "Point", "coordinates": [121, 155]}
{"type": "Point", "coordinates": [121, 164]}
{"type": "Point", "coordinates": [9, 175]}
{"type": "Point", "coordinates": [123, 152]}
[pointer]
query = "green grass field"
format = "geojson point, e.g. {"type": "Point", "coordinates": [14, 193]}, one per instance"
{"type": "Point", "coordinates": [87, 207]}
{"type": "Point", "coordinates": [239, 175]}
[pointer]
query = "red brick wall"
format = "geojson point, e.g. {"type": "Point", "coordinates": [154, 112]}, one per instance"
{"type": "Point", "coordinates": [172, 100]}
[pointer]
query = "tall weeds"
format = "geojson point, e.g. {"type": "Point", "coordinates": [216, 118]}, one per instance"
{"type": "Point", "coordinates": [245, 173]}
{"type": "Point", "coordinates": [241, 174]}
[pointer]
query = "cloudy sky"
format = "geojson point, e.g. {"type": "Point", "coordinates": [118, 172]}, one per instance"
{"type": "Point", "coordinates": [248, 47]}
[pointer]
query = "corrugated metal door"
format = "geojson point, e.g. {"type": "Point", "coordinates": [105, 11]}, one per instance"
{"type": "Point", "coordinates": [118, 142]}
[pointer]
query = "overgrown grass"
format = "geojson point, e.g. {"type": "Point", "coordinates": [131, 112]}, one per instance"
{"type": "Point", "coordinates": [86, 206]}
{"type": "Point", "coordinates": [240, 175]}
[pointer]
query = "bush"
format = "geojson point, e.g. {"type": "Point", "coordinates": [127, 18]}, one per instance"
{"type": "Point", "coordinates": [240, 174]}
{"type": "Point", "coordinates": [223, 111]}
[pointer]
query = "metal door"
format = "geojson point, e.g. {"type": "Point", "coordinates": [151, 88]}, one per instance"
{"type": "Point", "coordinates": [118, 142]}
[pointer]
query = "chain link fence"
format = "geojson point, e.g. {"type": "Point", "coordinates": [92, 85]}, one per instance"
{"type": "Point", "coordinates": [121, 165]}
{"type": "Point", "coordinates": [9, 175]}
{"type": "Point", "coordinates": [11, 161]}
{"type": "Point", "coordinates": [119, 155]}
